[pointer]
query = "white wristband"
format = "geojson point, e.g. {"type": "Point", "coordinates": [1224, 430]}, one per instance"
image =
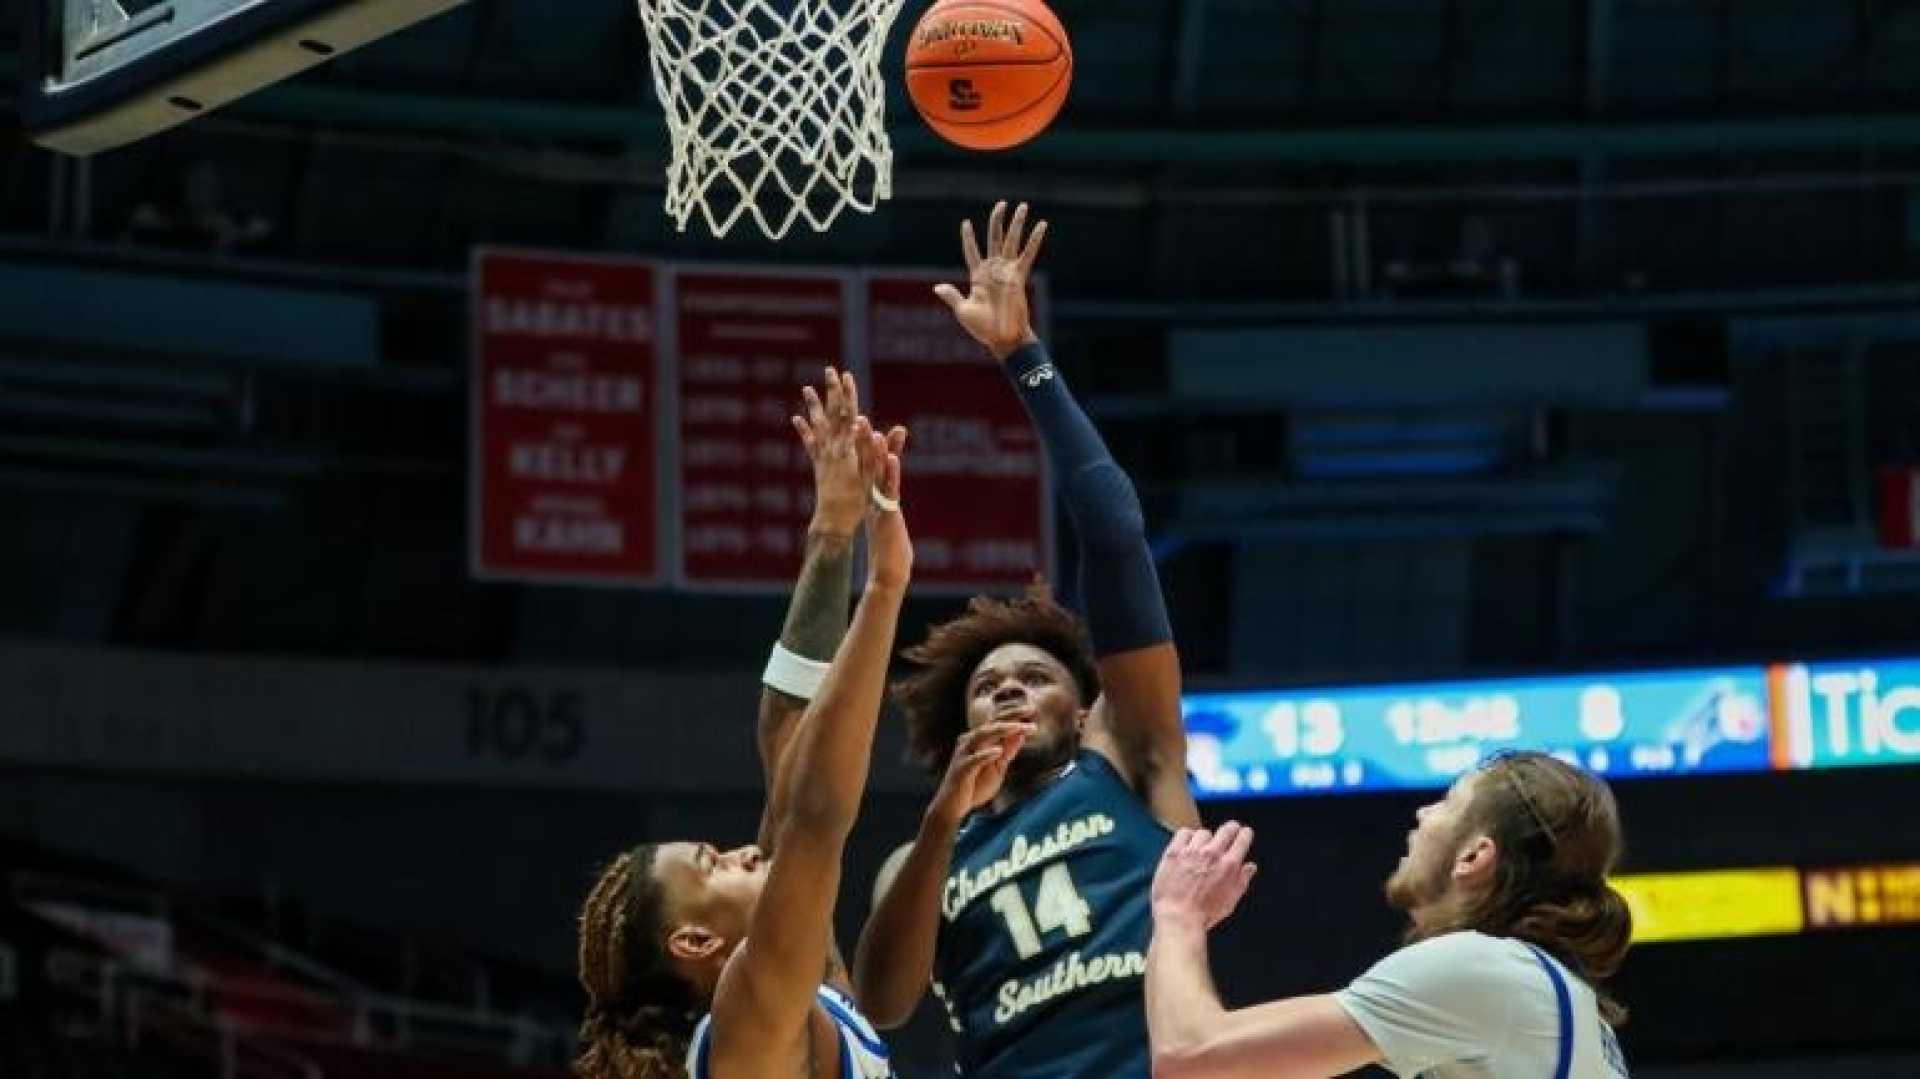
{"type": "Point", "coordinates": [793, 674]}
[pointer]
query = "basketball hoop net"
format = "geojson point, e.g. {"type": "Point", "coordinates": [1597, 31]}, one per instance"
{"type": "Point", "coordinates": [775, 108]}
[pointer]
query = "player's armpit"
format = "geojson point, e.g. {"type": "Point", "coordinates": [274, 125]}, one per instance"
{"type": "Point", "coordinates": [1304, 1037]}
{"type": "Point", "coordinates": [893, 961]}
{"type": "Point", "coordinates": [1139, 711]}
{"type": "Point", "coordinates": [778, 715]}
{"type": "Point", "coordinates": [766, 991]}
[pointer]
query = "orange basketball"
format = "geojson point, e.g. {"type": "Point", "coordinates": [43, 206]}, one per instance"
{"type": "Point", "coordinates": [989, 74]}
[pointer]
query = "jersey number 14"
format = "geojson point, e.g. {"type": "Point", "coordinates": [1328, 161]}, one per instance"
{"type": "Point", "coordinates": [1057, 905]}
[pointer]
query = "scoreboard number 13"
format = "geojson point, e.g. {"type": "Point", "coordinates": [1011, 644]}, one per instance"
{"type": "Point", "coordinates": [1312, 728]}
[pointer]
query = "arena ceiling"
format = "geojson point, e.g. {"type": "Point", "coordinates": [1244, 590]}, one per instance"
{"type": "Point", "coordinates": [1203, 148]}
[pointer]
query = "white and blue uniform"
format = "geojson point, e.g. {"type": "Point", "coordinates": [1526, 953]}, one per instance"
{"type": "Point", "coordinates": [862, 1054]}
{"type": "Point", "coordinates": [1470, 1006]}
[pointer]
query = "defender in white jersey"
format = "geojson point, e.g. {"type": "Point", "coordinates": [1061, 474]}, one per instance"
{"type": "Point", "coordinates": [862, 1054]}
{"type": "Point", "coordinates": [722, 963]}
{"type": "Point", "coordinates": [1512, 927]}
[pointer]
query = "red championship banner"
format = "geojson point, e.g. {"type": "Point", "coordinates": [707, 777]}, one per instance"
{"type": "Point", "coordinates": [976, 480]}
{"type": "Point", "coordinates": [564, 418]}
{"type": "Point", "coordinates": [1899, 506]}
{"type": "Point", "coordinates": [747, 340]}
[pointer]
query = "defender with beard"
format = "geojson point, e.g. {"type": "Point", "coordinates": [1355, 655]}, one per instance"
{"type": "Point", "coordinates": [1512, 928]}
{"type": "Point", "coordinates": [1022, 901]}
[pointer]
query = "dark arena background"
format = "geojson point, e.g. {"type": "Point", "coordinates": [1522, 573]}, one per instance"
{"type": "Point", "coordinates": [1495, 373]}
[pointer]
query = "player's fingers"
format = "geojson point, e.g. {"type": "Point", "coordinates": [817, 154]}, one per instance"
{"type": "Point", "coordinates": [806, 433]}
{"type": "Point", "coordinates": [976, 737]}
{"type": "Point", "coordinates": [979, 759]}
{"type": "Point", "coordinates": [1242, 843]}
{"type": "Point", "coordinates": [1222, 837]}
{"type": "Point", "coordinates": [1187, 840]}
{"type": "Point", "coordinates": [1181, 837]}
{"type": "Point", "coordinates": [862, 445]}
{"type": "Point", "coordinates": [835, 394]}
{"type": "Point", "coordinates": [816, 413]}
{"type": "Point", "coordinates": [850, 390]}
{"type": "Point", "coordinates": [969, 246]}
{"type": "Point", "coordinates": [998, 729]}
{"type": "Point", "coordinates": [875, 454]}
{"type": "Point", "coordinates": [996, 227]}
{"type": "Point", "coordinates": [1016, 232]}
{"type": "Point", "coordinates": [1246, 873]}
{"type": "Point", "coordinates": [948, 295]}
{"type": "Point", "coordinates": [893, 468]}
{"type": "Point", "coordinates": [1030, 254]}
{"type": "Point", "coordinates": [897, 440]}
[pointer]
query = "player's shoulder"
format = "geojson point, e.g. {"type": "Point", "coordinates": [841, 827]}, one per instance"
{"type": "Point", "coordinates": [1468, 944]}
{"type": "Point", "coordinates": [1457, 961]}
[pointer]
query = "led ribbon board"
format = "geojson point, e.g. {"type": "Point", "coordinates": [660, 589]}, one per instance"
{"type": "Point", "coordinates": [1423, 736]}
{"type": "Point", "coordinates": [1845, 715]}
{"type": "Point", "coordinates": [1717, 904]}
{"type": "Point", "coordinates": [1789, 716]}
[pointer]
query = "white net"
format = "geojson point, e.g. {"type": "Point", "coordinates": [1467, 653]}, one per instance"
{"type": "Point", "coordinates": [776, 108]}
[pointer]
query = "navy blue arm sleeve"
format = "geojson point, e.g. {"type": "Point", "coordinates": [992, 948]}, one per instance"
{"type": "Point", "coordinates": [1118, 584]}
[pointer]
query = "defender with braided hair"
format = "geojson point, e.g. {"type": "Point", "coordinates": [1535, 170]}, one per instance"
{"type": "Point", "coordinates": [721, 964]}
{"type": "Point", "coordinates": [1512, 927]}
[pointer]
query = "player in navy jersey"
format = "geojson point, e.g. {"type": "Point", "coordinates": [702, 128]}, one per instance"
{"type": "Point", "coordinates": [721, 964]}
{"type": "Point", "coordinates": [1022, 902]}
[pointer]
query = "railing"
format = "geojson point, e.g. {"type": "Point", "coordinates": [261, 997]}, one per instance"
{"type": "Point", "coordinates": [269, 990]}
{"type": "Point", "coordinates": [30, 887]}
{"type": "Point", "coordinates": [249, 1009]}
{"type": "Point", "coordinates": [237, 1055]}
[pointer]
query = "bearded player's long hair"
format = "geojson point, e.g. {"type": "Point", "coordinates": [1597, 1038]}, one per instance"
{"type": "Point", "coordinates": [1557, 829]}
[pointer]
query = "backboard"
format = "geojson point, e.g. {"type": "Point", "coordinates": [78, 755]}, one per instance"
{"type": "Point", "coordinates": [104, 73]}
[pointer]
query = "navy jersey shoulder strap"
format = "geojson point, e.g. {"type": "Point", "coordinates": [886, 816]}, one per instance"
{"type": "Point", "coordinates": [1563, 1000]}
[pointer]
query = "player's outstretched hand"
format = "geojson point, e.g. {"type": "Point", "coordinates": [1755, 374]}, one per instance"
{"type": "Point", "coordinates": [826, 426]}
{"type": "Point", "coordinates": [889, 547]}
{"type": "Point", "coordinates": [978, 768]}
{"type": "Point", "coordinates": [1202, 875]}
{"type": "Point", "coordinates": [994, 309]}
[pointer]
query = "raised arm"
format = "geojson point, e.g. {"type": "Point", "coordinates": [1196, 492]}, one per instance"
{"type": "Point", "coordinates": [1119, 588]}
{"type": "Point", "coordinates": [893, 961]}
{"type": "Point", "coordinates": [766, 992]}
{"type": "Point", "coordinates": [1200, 880]}
{"type": "Point", "coordinates": [817, 613]}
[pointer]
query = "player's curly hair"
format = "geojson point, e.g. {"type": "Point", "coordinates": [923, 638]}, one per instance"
{"type": "Point", "coordinates": [640, 1012]}
{"type": "Point", "coordinates": [934, 699]}
{"type": "Point", "coordinates": [1558, 831]}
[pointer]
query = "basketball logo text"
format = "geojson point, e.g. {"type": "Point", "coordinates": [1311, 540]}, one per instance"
{"type": "Point", "coordinates": [973, 31]}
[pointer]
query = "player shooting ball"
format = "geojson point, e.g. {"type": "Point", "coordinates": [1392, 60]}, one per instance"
{"type": "Point", "coordinates": [1059, 752]}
